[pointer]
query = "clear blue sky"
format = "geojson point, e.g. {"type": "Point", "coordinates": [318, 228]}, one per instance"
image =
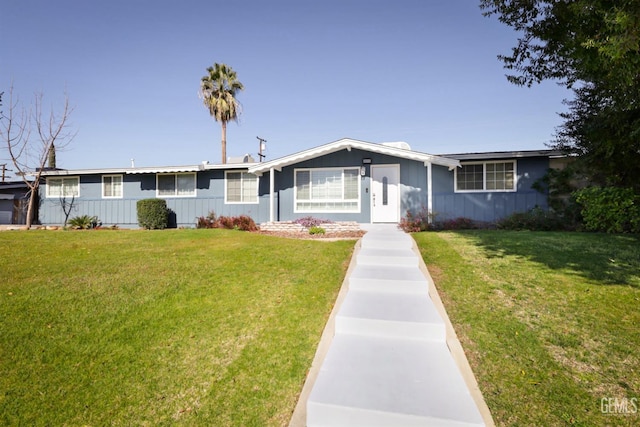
{"type": "Point", "coordinates": [420, 71]}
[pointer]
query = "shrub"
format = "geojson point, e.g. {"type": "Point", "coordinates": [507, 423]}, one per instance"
{"type": "Point", "coordinates": [316, 230]}
{"type": "Point", "coordinates": [536, 219]}
{"type": "Point", "coordinates": [310, 221]}
{"type": "Point", "coordinates": [419, 221]}
{"type": "Point", "coordinates": [208, 221]}
{"type": "Point", "coordinates": [153, 214]}
{"type": "Point", "coordinates": [242, 222]}
{"type": "Point", "coordinates": [610, 209]}
{"type": "Point", "coordinates": [460, 223]}
{"type": "Point", "coordinates": [84, 222]}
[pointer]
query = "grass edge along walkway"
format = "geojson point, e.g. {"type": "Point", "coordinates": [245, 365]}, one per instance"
{"type": "Point", "coordinates": [548, 321]}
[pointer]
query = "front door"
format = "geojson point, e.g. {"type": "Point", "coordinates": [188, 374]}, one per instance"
{"type": "Point", "coordinates": [385, 193]}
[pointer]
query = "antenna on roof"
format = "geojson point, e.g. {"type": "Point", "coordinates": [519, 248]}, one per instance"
{"type": "Point", "coordinates": [263, 146]}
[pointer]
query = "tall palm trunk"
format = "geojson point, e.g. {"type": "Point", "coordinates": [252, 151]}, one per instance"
{"type": "Point", "coordinates": [224, 142]}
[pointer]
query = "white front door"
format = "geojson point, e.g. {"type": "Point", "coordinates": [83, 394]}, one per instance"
{"type": "Point", "coordinates": [385, 193]}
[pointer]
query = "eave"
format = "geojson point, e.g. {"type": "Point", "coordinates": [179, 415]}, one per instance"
{"type": "Point", "coordinates": [350, 144]}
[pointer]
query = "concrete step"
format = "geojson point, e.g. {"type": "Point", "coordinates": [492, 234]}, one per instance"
{"type": "Point", "coordinates": [380, 278]}
{"type": "Point", "coordinates": [390, 257]}
{"type": "Point", "coordinates": [390, 315]}
{"type": "Point", "coordinates": [387, 240]}
{"type": "Point", "coordinates": [373, 381]}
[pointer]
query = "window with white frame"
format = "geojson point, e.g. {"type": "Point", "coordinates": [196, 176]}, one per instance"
{"type": "Point", "coordinates": [63, 187]}
{"type": "Point", "coordinates": [241, 187]}
{"type": "Point", "coordinates": [486, 176]}
{"type": "Point", "coordinates": [176, 184]}
{"type": "Point", "coordinates": [327, 190]}
{"type": "Point", "coordinates": [111, 186]}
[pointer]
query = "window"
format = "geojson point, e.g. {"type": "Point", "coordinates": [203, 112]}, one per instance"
{"type": "Point", "coordinates": [327, 190]}
{"type": "Point", "coordinates": [241, 187]}
{"type": "Point", "coordinates": [63, 187]}
{"type": "Point", "coordinates": [112, 186]}
{"type": "Point", "coordinates": [488, 176]}
{"type": "Point", "coordinates": [176, 184]}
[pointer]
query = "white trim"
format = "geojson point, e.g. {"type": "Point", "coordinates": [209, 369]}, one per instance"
{"type": "Point", "coordinates": [349, 144]}
{"type": "Point", "coordinates": [121, 186]}
{"type": "Point", "coordinates": [430, 192]}
{"type": "Point", "coordinates": [49, 196]}
{"type": "Point", "coordinates": [358, 201]}
{"type": "Point", "coordinates": [271, 195]}
{"type": "Point", "coordinates": [484, 177]}
{"type": "Point", "coordinates": [227, 202]}
{"type": "Point", "coordinates": [150, 170]}
{"type": "Point", "coordinates": [176, 195]}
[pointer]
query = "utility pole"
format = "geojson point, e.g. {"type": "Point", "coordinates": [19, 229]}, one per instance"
{"type": "Point", "coordinates": [263, 146]}
{"type": "Point", "coordinates": [4, 171]}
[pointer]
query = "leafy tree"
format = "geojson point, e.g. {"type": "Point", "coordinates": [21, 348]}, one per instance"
{"type": "Point", "coordinates": [218, 91]}
{"type": "Point", "coordinates": [592, 47]}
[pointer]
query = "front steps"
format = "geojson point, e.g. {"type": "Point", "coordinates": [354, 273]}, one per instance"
{"type": "Point", "coordinates": [389, 363]}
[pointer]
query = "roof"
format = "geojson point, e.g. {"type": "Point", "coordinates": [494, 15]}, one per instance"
{"type": "Point", "coordinates": [141, 170]}
{"type": "Point", "coordinates": [349, 144]}
{"type": "Point", "coordinates": [505, 154]}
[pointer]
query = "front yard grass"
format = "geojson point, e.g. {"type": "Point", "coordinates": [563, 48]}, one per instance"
{"type": "Point", "coordinates": [550, 322]}
{"type": "Point", "coordinates": [180, 327]}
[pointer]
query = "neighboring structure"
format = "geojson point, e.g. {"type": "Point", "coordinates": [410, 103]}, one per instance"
{"type": "Point", "coordinates": [345, 180]}
{"type": "Point", "coordinates": [14, 199]}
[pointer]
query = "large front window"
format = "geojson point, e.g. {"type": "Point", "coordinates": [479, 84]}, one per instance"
{"type": "Point", "coordinates": [327, 190]}
{"type": "Point", "coordinates": [487, 176]}
{"type": "Point", "coordinates": [176, 184]}
{"type": "Point", "coordinates": [63, 187]}
{"type": "Point", "coordinates": [241, 187]}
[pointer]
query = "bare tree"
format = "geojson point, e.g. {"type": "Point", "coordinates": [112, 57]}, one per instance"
{"type": "Point", "coordinates": [30, 137]}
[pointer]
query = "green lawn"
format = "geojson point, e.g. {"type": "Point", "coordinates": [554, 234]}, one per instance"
{"type": "Point", "coordinates": [173, 327]}
{"type": "Point", "coordinates": [550, 322]}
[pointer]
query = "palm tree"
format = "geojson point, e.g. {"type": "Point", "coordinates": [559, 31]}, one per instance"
{"type": "Point", "coordinates": [218, 92]}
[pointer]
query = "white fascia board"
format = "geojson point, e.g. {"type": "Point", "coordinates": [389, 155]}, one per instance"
{"type": "Point", "coordinates": [108, 171]}
{"type": "Point", "coordinates": [350, 144]}
{"type": "Point", "coordinates": [142, 170]}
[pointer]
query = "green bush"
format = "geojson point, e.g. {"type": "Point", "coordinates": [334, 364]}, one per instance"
{"type": "Point", "coordinates": [537, 219]}
{"type": "Point", "coordinates": [83, 222]}
{"type": "Point", "coordinates": [610, 209]}
{"type": "Point", "coordinates": [316, 230]}
{"type": "Point", "coordinates": [153, 214]}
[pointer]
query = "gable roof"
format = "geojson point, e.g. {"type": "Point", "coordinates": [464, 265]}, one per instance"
{"type": "Point", "coordinates": [349, 144]}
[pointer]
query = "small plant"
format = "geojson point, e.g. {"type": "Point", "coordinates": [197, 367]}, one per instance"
{"type": "Point", "coordinates": [84, 222]}
{"type": "Point", "coordinates": [418, 221]}
{"type": "Point", "coordinates": [309, 221]}
{"type": "Point", "coordinates": [208, 221]}
{"type": "Point", "coordinates": [316, 230]}
{"type": "Point", "coordinates": [153, 214]}
{"type": "Point", "coordinates": [241, 222]}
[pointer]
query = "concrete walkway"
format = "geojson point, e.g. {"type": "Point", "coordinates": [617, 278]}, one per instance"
{"type": "Point", "coordinates": [389, 356]}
